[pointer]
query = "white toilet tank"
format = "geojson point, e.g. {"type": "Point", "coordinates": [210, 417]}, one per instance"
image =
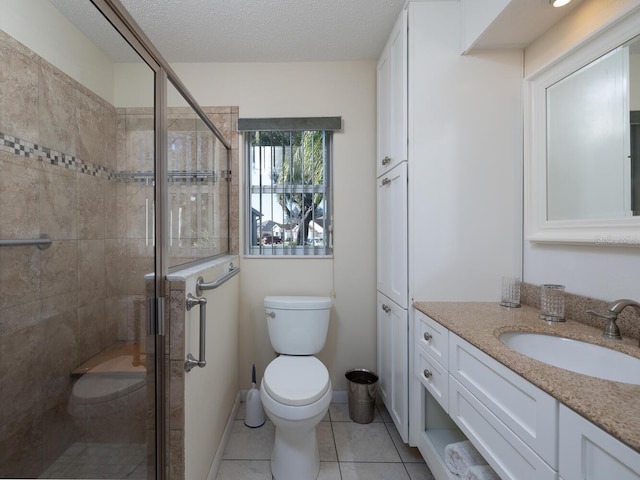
{"type": "Point", "coordinates": [297, 325]}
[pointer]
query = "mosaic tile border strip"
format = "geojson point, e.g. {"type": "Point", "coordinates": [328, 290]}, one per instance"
{"type": "Point", "coordinates": [26, 149]}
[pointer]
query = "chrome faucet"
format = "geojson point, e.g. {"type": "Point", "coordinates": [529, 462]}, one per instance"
{"type": "Point", "coordinates": [613, 310]}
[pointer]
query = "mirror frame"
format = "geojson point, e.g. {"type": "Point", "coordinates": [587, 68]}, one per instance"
{"type": "Point", "coordinates": [603, 232]}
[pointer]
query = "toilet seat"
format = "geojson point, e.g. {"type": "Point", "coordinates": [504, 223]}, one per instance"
{"type": "Point", "coordinates": [296, 380]}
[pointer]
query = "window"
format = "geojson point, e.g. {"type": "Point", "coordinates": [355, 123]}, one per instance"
{"type": "Point", "coordinates": [289, 197]}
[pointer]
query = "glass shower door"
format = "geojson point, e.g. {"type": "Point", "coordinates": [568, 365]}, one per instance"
{"type": "Point", "coordinates": [77, 163]}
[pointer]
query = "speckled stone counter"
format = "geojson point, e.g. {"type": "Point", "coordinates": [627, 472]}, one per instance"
{"type": "Point", "coordinates": [613, 406]}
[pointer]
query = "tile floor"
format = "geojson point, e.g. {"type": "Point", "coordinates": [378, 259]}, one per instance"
{"type": "Point", "coordinates": [348, 450]}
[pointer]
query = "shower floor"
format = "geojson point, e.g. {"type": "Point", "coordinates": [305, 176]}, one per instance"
{"type": "Point", "coordinates": [100, 460]}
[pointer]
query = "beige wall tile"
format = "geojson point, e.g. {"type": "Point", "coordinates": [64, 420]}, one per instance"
{"type": "Point", "coordinates": [90, 322]}
{"type": "Point", "coordinates": [19, 316]}
{"type": "Point", "coordinates": [140, 143]}
{"type": "Point", "coordinates": [59, 358]}
{"type": "Point", "coordinates": [20, 273]}
{"type": "Point", "coordinates": [18, 94]}
{"type": "Point", "coordinates": [91, 271]}
{"type": "Point", "coordinates": [19, 199]}
{"type": "Point", "coordinates": [59, 265]}
{"type": "Point", "coordinates": [21, 348]}
{"type": "Point", "coordinates": [91, 203]}
{"type": "Point", "coordinates": [56, 112]}
{"type": "Point", "coordinates": [58, 203]}
{"type": "Point", "coordinates": [116, 266]}
{"type": "Point", "coordinates": [90, 129]}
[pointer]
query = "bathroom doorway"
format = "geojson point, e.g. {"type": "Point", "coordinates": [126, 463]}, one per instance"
{"type": "Point", "coordinates": [78, 156]}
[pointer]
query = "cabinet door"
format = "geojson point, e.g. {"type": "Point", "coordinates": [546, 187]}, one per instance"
{"type": "Point", "coordinates": [392, 235]}
{"type": "Point", "coordinates": [589, 453]}
{"type": "Point", "coordinates": [393, 362]}
{"type": "Point", "coordinates": [392, 98]}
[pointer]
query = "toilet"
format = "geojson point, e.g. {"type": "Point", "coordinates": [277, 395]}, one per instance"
{"type": "Point", "coordinates": [108, 402]}
{"type": "Point", "coordinates": [296, 389]}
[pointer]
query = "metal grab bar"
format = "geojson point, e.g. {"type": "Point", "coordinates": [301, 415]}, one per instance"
{"type": "Point", "coordinates": [201, 285]}
{"type": "Point", "coordinates": [191, 361]}
{"type": "Point", "coordinates": [42, 242]}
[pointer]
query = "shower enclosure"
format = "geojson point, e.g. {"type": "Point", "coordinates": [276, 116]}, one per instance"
{"type": "Point", "coordinates": [103, 188]}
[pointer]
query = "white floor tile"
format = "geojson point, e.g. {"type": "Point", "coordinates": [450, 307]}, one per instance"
{"type": "Point", "coordinates": [249, 443]}
{"type": "Point", "coordinates": [244, 470]}
{"type": "Point", "coordinates": [329, 471]}
{"type": "Point", "coordinates": [407, 454]}
{"type": "Point", "coordinates": [326, 445]}
{"type": "Point", "coordinates": [364, 443]}
{"type": "Point", "coordinates": [348, 451]}
{"type": "Point", "coordinates": [419, 471]}
{"type": "Point", "coordinates": [339, 412]}
{"type": "Point", "coordinates": [373, 471]}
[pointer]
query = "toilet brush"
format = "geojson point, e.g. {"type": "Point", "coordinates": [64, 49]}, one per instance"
{"type": "Point", "coordinates": [254, 416]}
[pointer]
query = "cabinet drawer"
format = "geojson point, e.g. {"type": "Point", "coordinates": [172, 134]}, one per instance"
{"type": "Point", "coordinates": [525, 409]}
{"type": "Point", "coordinates": [433, 338]}
{"type": "Point", "coordinates": [507, 454]}
{"type": "Point", "coordinates": [434, 378]}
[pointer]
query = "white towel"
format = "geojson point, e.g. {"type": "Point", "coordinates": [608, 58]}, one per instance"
{"type": "Point", "coordinates": [480, 472]}
{"type": "Point", "coordinates": [460, 456]}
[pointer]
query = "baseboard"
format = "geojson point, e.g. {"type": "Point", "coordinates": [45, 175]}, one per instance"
{"type": "Point", "coordinates": [215, 466]}
{"type": "Point", "coordinates": [339, 397]}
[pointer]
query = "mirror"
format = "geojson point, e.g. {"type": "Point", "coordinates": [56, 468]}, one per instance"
{"type": "Point", "coordinates": [583, 161]}
{"type": "Point", "coordinates": [591, 172]}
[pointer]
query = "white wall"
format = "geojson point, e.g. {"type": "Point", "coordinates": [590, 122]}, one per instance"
{"type": "Point", "coordinates": [41, 27]}
{"type": "Point", "coordinates": [605, 273]}
{"type": "Point", "coordinates": [466, 150]}
{"type": "Point", "coordinates": [344, 89]}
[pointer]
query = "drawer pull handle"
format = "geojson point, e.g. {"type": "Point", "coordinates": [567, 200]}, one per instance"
{"type": "Point", "coordinates": [386, 308]}
{"type": "Point", "coordinates": [427, 373]}
{"type": "Point", "coordinates": [386, 161]}
{"type": "Point", "coordinates": [427, 337]}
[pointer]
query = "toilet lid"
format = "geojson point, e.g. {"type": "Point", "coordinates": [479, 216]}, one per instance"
{"type": "Point", "coordinates": [105, 383]}
{"type": "Point", "coordinates": [296, 380]}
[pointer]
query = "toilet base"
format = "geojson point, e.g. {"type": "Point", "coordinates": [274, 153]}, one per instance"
{"type": "Point", "coordinates": [295, 455]}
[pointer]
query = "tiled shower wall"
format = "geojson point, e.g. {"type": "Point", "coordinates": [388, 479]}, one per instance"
{"type": "Point", "coordinates": [56, 164]}
{"type": "Point", "coordinates": [76, 168]}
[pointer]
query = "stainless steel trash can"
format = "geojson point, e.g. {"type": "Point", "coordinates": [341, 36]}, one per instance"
{"type": "Point", "coordinates": [362, 386]}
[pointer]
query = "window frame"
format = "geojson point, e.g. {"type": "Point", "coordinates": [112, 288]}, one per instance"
{"type": "Point", "coordinates": [274, 250]}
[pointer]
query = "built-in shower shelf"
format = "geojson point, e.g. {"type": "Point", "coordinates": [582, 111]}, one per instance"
{"type": "Point", "coordinates": [133, 358]}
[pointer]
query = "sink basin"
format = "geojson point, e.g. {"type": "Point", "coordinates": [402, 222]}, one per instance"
{"type": "Point", "coordinates": [576, 356]}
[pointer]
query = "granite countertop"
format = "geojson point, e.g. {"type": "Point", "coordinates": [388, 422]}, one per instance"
{"type": "Point", "coordinates": [613, 406]}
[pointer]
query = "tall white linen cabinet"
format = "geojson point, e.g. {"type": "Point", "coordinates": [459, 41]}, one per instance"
{"type": "Point", "coordinates": [449, 183]}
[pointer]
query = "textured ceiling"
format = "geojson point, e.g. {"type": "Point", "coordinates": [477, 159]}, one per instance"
{"type": "Point", "coordinates": [250, 30]}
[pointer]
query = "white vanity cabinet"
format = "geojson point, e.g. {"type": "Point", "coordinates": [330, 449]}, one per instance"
{"type": "Point", "coordinates": [392, 229]}
{"type": "Point", "coordinates": [512, 423]}
{"type": "Point", "coordinates": [392, 98]}
{"type": "Point", "coordinates": [589, 453]}
{"type": "Point", "coordinates": [450, 138]}
{"type": "Point", "coordinates": [393, 386]}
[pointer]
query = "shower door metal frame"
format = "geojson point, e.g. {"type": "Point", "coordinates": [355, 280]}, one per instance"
{"type": "Point", "coordinates": [124, 23]}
